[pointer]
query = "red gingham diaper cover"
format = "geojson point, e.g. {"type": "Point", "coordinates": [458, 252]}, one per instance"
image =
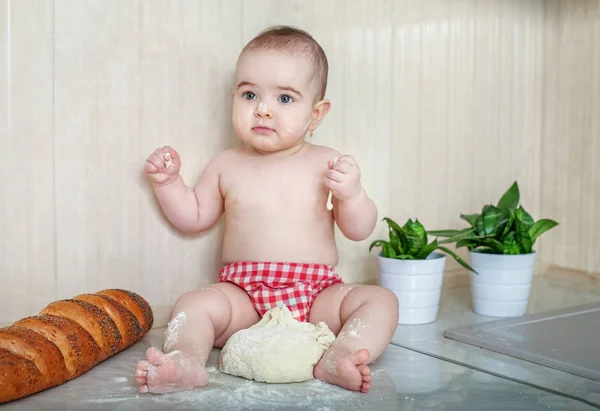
{"type": "Point", "coordinates": [295, 285]}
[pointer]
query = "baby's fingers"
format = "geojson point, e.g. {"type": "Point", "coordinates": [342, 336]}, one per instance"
{"type": "Point", "coordinates": [155, 163]}
{"type": "Point", "coordinates": [331, 184]}
{"type": "Point", "coordinates": [347, 159]}
{"type": "Point", "coordinates": [344, 167]}
{"type": "Point", "coordinates": [150, 167]}
{"type": "Point", "coordinates": [334, 175]}
{"type": "Point", "coordinates": [173, 153]}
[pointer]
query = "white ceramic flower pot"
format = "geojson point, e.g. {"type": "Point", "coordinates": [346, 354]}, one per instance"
{"type": "Point", "coordinates": [502, 287]}
{"type": "Point", "coordinates": [416, 283]}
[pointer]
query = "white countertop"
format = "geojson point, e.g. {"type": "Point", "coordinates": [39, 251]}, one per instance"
{"type": "Point", "coordinates": [403, 379]}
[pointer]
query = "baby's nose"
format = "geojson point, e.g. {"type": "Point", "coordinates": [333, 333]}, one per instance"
{"type": "Point", "coordinates": [263, 111]}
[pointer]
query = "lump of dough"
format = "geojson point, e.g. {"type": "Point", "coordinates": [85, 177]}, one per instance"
{"type": "Point", "coordinates": [277, 349]}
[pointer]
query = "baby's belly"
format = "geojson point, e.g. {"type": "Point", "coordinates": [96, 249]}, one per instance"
{"type": "Point", "coordinates": [279, 241]}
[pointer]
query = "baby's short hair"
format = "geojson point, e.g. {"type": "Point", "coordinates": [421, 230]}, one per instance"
{"type": "Point", "coordinates": [293, 40]}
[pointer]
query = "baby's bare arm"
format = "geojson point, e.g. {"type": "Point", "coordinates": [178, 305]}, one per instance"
{"type": "Point", "coordinates": [354, 212]}
{"type": "Point", "coordinates": [356, 217]}
{"type": "Point", "coordinates": [192, 210]}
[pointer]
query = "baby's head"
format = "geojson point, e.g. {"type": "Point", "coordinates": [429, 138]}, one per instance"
{"type": "Point", "coordinates": [295, 42]}
{"type": "Point", "coordinates": [281, 79]}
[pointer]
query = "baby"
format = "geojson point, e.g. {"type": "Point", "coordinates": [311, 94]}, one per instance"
{"type": "Point", "coordinates": [278, 244]}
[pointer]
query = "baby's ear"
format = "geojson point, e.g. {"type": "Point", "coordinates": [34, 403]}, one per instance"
{"type": "Point", "coordinates": [320, 110]}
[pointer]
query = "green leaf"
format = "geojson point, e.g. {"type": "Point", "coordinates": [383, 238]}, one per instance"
{"type": "Point", "coordinates": [392, 224]}
{"type": "Point", "coordinates": [492, 219]}
{"type": "Point", "coordinates": [418, 228]}
{"type": "Point", "coordinates": [522, 237]}
{"type": "Point", "coordinates": [405, 257]}
{"type": "Point", "coordinates": [377, 243]}
{"type": "Point", "coordinates": [469, 234]}
{"type": "Point", "coordinates": [424, 233]}
{"type": "Point", "coordinates": [395, 241]}
{"type": "Point", "coordinates": [425, 251]}
{"type": "Point", "coordinates": [403, 240]}
{"type": "Point", "coordinates": [479, 230]}
{"type": "Point", "coordinates": [483, 249]}
{"type": "Point", "coordinates": [388, 251]}
{"type": "Point", "coordinates": [470, 218]}
{"type": "Point", "coordinates": [447, 233]}
{"type": "Point", "coordinates": [540, 227]}
{"type": "Point", "coordinates": [414, 241]}
{"type": "Point", "coordinates": [494, 245]}
{"type": "Point", "coordinates": [509, 238]}
{"type": "Point", "coordinates": [457, 258]}
{"type": "Point", "coordinates": [508, 225]}
{"type": "Point", "coordinates": [469, 243]}
{"type": "Point", "coordinates": [404, 245]}
{"type": "Point", "coordinates": [511, 197]}
{"type": "Point", "coordinates": [512, 247]}
{"type": "Point", "coordinates": [524, 216]}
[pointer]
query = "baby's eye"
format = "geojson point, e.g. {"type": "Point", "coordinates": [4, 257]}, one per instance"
{"type": "Point", "coordinates": [248, 95]}
{"type": "Point", "coordinates": [285, 99]}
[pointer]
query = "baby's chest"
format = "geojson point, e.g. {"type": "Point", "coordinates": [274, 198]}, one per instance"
{"type": "Point", "coordinates": [260, 191]}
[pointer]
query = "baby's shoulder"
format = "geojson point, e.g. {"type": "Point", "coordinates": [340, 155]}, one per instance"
{"type": "Point", "coordinates": [320, 152]}
{"type": "Point", "coordinates": [226, 157]}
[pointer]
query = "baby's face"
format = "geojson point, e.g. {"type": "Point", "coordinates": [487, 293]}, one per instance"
{"type": "Point", "coordinates": [274, 98]}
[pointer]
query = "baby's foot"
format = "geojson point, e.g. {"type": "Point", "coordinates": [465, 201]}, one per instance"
{"type": "Point", "coordinates": [348, 371]}
{"type": "Point", "coordinates": [164, 373]}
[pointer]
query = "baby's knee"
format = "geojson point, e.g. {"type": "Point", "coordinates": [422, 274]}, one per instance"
{"type": "Point", "coordinates": [386, 297]}
{"type": "Point", "coordinates": [208, 295]}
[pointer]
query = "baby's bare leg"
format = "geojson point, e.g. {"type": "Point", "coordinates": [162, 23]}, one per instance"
{"type": "Point", "coordinates": [364, 318]}
{"type": "Point", "coordinates": [199, 320]}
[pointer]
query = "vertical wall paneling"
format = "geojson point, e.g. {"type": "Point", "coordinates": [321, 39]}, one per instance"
{"type": "Point", "coordinates": [27, 224]}
{"type": "Point", "coordinates": [5, 144]}
{"type": "Point", "coordinates": [188, 52]}
{"type": "Point", "coordinates": [365, 129]}
{"type": "Point", "coordinates": [97, 141]}
{"type": "Point", "coordinates": [142, 75]}
{"type": "Point", "coordinates": [571, 133]}
{"type": "Point", "coordinates": [442, 103]}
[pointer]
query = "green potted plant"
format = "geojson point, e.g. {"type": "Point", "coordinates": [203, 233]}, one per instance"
{"type": "Point", "coordinates": [500, 241]}
{"type": "Point", "coordinates": [411, 267]}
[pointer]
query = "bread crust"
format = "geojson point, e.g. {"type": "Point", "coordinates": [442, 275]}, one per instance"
{"type": "Point", "coordinates": [134, 303]}
{"type": "Point", "coordinates": [68, 338]}
{"type": "Point", "coordinates": [18, 377]}
{"type": "Point", "coordinates": [99, 324]}
{"type": "Point", "coordinates": [77, 346]}
{"type": "Point", "coordinates": [126, 322]}
{"type": "Point", "coordinates": [31, 346]}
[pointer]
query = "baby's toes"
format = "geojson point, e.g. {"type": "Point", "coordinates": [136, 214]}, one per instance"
{"type": "Point", "coordinates": [155, 357]}
{"type": "Point", "coordinates": [140, 376]}
{"type": "Point", "coordinates": [143, 366]}
{"type": "Point", "coordinates": [364, 370]}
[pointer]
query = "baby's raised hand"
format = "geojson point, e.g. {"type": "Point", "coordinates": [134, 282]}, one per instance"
{"type": "Point", "coordinates": [163, 165]}
{"type": "Point", "coordinates": [343, 178]}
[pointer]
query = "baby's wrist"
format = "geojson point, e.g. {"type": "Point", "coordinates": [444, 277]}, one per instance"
{"type": "Point", "coordinates": [352, 198]}
{"type": "Point", "coordinates": [165, 183]}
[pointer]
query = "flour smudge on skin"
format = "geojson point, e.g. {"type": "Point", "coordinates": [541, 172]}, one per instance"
{"type": "Point", "coordinates": [354, 331]}
{"type": "Point", "coordinates": [262, 108]}
{"type": "Point", "coordinates": [172, 332]}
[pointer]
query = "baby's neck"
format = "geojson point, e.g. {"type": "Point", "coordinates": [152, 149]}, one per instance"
{"type": "Point", "coordinates": [287, 152]}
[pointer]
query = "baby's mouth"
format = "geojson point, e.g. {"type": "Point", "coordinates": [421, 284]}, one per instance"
{"type": "Point", "coordinates": [263, 130]}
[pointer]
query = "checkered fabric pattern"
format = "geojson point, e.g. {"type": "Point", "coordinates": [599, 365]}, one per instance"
{"type": "Point", "coordinates": [295, 285]}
